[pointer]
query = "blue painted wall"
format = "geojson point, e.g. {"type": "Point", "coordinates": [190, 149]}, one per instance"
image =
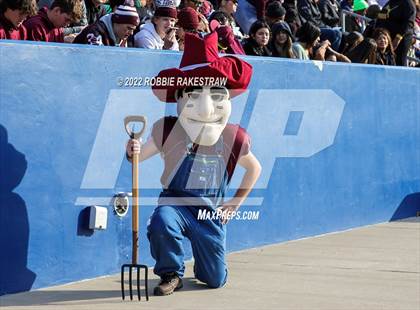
{"type": "Point", "coordinates": [339, 146]}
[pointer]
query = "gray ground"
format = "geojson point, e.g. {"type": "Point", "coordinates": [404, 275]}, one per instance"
{"type": "Point", "coordinates": [374, 267]}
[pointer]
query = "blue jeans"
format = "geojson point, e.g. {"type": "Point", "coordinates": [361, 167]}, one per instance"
{"type": "Point", "coordinates": [168, 226]}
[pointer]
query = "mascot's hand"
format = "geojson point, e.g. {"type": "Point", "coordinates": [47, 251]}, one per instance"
{"type": "Point", "coordinates": [133, 147]}
{"type": "Point", "coordinates": [228, 211]}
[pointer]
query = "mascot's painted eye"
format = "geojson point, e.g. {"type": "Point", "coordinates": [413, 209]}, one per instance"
{"type": "Point", "coordinates": [194, 96]}
{"type": "Point", "coordinates": [217, 97]}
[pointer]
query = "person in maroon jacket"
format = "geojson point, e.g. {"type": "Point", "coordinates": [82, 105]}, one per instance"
{"type": "Point", "coordinates": [48, 24]}
{"type": "Point", "coordinates": [12, 15]}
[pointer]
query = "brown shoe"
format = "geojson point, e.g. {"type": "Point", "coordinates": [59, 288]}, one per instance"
{"type": "Point", "coordinates": [169, 283]}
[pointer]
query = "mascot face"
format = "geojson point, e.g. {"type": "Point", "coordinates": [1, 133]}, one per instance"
{"type": "Point", "coordinates": [204, 112]}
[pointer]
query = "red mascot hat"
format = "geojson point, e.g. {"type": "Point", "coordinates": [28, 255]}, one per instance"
{"type": "Point", "coordinates": [202, 66]}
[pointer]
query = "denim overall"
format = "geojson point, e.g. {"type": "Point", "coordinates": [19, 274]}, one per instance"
{"type": "Point", "coordinates": [200, 180]}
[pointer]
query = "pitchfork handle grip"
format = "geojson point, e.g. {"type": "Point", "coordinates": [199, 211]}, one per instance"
{"type": "Point", "coordinates": [135, 119]}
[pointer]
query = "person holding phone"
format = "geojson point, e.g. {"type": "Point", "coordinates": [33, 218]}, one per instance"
{"type": "Point", "coordinates": [160, 32]}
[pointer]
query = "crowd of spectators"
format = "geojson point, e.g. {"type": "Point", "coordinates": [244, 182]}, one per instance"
{"type": "Point", "coordinates": [300, 29]}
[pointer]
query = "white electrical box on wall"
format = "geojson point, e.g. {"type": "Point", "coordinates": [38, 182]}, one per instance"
{"type": "Point", "coordinates": [98, 217]}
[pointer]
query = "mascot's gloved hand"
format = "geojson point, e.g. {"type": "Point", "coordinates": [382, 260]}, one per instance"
{"type": "Point", "coordinates": [133, 147]}
{"type": "Point", "coordinates": [227, 40]}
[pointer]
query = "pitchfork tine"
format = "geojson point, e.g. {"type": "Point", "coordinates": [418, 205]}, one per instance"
{"type": "Point", "coordinates": [131, 282]}
{"type": "Point", "coordinates": [122, 282]}
{"type": "Point", "coordinates": [138, 284]}
{"type": "Point", "coordinates": [146, 286]}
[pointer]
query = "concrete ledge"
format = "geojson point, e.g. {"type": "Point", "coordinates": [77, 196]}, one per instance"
{"type": "Point", "coordinates": [374, 267]}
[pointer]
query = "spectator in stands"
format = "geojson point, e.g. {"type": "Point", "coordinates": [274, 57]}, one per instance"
{"type": "Point", "coordinates": [398, 17]}
{"type": "Point", "coordinates": [372, 13]}
{"type": "Point", "coordinates": [274, 13]}
{"type": "Point", "coordinates": [351, 41]}
{"type": "Point", "coordinates": [349, 21]}
{"type": "Point", "coordinates": [259, 36]}
{"type": "Point", "coordinates": [282, 40]}
{"type": "Point", "coordinates": [359, 8]}
{"type": "Point", "coordinates": [48, 24]}
{"type": "Point", "coordinates": [347, 5]}
{"type": "Point", "coordinates": [112, 29]}
{"type": "Point", "coordinates": [416, 44]}
{"type": "Point", "coordinates": [160, 33]}
{"type": "Point", "coordinates": [188, 21]}
{"type": "Point", "coordinates": [384, 53]}
{"type": "Point", "coordinates": [92, 11]}
{"type": "Point", "coordinates": [309, 11]}
{"type": "Point", "coordinates": [112, 5]}
{"type": "Point", "coordinates": [248, 12]}
{"type": "Point", "coordinates": [330, 12]}
{"type": "Point", "coordinates": [331, 55]}
{"type": "Point", "coordinates": [229, 7]}
{"type": "Point", "coordinates": [309, 38]}
{"type": "Point", "coordinates": [74, 28]}
{"type": "Point", "coordinates": [12, 15]}
{"type": "Point", "coordinates": [364, 52]}
{"type": "Point", "coordinates": [292, 15]}
{"type": "Point", "coordinates": [147, 11]}
{"type": "Point", "coordinates": [95, 9]}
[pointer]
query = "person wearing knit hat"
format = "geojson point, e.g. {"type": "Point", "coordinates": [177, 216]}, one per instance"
{"type": "Point", "coordinates": [160, 32]}
{"type": "Point", "coordinates": [188, 21]}
{"type": "Point", "coordinates": [112, 29]}
{"type": "Point", "coordinates": [200, 151]}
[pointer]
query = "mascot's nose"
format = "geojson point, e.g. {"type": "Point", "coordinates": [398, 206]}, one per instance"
{"type": "Point", "coordinates": [206, 108]}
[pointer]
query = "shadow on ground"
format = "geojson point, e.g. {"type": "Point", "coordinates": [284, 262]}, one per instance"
{"type": "Point", "coordinates": [51, 296]}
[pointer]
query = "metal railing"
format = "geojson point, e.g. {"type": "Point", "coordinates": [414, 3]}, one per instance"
{"type": "Point", "coordinates": [363, 19]}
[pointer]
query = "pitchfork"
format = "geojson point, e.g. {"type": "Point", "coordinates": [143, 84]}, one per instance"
{"type": "Point", "coordinates": [135, 224]}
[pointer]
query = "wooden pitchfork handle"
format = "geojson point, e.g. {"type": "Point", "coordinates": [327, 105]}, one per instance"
{"type": "Point", "coordinates": [135, 177]}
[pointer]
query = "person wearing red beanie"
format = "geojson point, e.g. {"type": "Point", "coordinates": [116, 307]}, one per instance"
{"type": "Point", "coordinates": [160, 32]}
{"type": "Point", "coordinates": [188, 21]}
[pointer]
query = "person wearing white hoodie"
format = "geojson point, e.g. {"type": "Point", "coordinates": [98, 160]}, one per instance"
{"type": "Point", "coordinates": [160, 32]}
